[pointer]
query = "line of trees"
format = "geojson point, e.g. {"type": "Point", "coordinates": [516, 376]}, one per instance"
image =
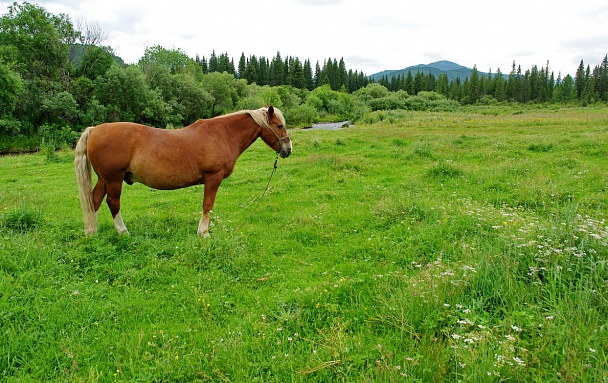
{"type": "Point", "coordinates": [534, 85]}
{"type": "Point", "coordinates": [57, 78]}
{"type": "Point", "coordinates": [289, 71]}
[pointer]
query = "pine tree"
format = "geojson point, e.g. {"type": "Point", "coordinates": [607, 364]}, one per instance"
{"type": "Point", "coordinates": [499, 86]}
{"type": "Point", "coordinates": [276, 71]}
{"type": "Point", "coordinates": [295, 76]}
{"type": "Point", "coordinates": [318, 75]}
{"type": "Point", "coordinates": [601, 80]}
{"type": "Point", "coordinates": [430, 83]}
{"type": "Point", "coordinates": [419, 82]}
{"type": "Point", "coordinates": [409, 83]}
{"type": "Point", "coordinates": [203, 63]}
{"type": "Point", "coordinates": [580, 82]}
{"type": "Point", "coordinates": [251, 71]}
{"type": "Point", "coordinates": [308, 77]}
{"type": "Point", "coordinates": [263, 71]}
{"type": "Point", "coordinates": [343, 75]}
{"type": "Point", "coordinates": [214, 63]}
{"type": "Point", "coordinates": [242, 65]}
{"type": "Point", "coordinates": [443, 84]}
{"type": "Point", "coordinates": [474, 86]}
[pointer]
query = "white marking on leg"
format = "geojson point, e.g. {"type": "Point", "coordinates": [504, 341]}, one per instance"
{"type": "Point", "coordinates": [120, 225]}
{"type": "Point", "coordinates": [203, 226]}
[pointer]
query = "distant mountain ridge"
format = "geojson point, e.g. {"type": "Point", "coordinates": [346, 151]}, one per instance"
{"type": "Point", "coordinates": [452, 69]}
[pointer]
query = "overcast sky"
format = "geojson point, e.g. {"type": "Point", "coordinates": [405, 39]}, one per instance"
{"type": "Point", "coordinates": [371, 36]}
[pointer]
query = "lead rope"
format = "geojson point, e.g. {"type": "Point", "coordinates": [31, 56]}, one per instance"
{"type": "Point", "coordinates": [274, 169]}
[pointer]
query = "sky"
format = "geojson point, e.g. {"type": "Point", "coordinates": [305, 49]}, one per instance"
{"type": "Point", "coordinates": [371, 36]}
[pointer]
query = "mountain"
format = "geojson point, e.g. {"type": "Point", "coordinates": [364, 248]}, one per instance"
{"type": "Point", "coordinates": [453, 71]}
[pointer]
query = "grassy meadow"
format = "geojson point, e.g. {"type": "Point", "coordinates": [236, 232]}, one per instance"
{"type": "Point", "coordinates": [413, 247]}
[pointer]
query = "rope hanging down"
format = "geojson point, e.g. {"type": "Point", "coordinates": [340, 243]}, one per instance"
{"type": "Point", "coordinates": [274, 169]}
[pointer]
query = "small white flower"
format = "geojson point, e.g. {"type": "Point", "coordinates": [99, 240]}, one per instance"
{"type": "Point", "coordinates": [519, 361]}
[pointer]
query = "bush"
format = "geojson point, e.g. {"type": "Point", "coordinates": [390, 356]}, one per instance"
{"type": "Point", "coordinates": [417, 103]}
{"type": "Point", "coordinates": [57, 137]}
{"type": "Point", "coordinates": [10, 127]}
{"type": "Point", "coordinates": [301, 115]}
{"type": "Point", "coordinates": [391, 102]}
{"type": "Point", "coordinates": [430, 96]}
{"type": "Point", "coordinates": [445, 106]}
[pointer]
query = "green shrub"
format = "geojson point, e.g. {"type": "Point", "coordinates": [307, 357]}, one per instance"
{"type": "Point", "coordinates": [301, 115]}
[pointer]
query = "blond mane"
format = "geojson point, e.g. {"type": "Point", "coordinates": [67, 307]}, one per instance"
{"type": "Point", "coordinates": [260, 116]}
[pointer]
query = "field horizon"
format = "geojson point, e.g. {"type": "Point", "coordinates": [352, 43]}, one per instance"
{"type": "Point", "coordinates": [465, 246]}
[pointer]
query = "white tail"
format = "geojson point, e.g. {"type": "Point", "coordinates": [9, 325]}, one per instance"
{"type": "Point", "coordinates": [85, 183]}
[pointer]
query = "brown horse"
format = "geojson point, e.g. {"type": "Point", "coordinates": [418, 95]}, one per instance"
{"type": "Point", "coordinates": [202, 153]}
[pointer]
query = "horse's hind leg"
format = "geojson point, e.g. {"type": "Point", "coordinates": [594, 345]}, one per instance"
{"type": "Point", "coordinates": [99, 191]}
{"type": "Point", "coordinates": [113, 199]}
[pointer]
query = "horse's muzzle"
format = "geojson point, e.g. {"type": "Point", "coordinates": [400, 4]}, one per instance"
{"type": "Point", "coordinates": [285, 149]}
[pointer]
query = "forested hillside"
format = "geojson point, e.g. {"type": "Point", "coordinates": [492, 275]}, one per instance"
{"type": "Point", "coordinates": [57, 78]}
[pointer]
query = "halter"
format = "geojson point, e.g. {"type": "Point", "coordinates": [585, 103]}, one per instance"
{"type": "Point", "coordinates": [279, 139]}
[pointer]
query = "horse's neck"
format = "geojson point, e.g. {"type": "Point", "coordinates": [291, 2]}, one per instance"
{"type": "Point", "coordinates": [244, 130]}
{"type": "Point", "coordinates": [241, 128]}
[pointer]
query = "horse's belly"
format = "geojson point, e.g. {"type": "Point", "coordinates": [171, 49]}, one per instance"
{"type": "Point", "coordinates": [164, 180]}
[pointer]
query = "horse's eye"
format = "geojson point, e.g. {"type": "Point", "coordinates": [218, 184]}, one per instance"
{"type": "Point", "coordinates": [280, 126]}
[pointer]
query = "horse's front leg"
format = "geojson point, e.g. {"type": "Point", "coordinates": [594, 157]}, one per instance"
{"type": "Point", "coordinates": [211, 186]}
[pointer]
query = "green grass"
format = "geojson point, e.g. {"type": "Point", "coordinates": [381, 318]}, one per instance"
{"type": "Point", "coordinates": [467, 246]}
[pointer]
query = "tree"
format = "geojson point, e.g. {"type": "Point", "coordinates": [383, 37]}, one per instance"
{"type": "Point", "coordinates": [580, 80]}
{"type": "Point", "coordinates": [443, 84]}
{"type": "Point", "coordinates": [175, 60]}
{"type": "Point", "coordinates": [185, 96]}
{"type": "Point", "coordinates": [11, 88]}
{"type": "Point", "coordinates": [263, 71]}
{"type": "Point", "coordinates": [419, 82]}
{"type": "Point", "coordinates": [223, 90]}
{"type": "Point", "coordinates": [242, 66]}
{"type": "Point", "coordinates": [89, 35]}
{"type": "Point", "coordinates": [251, 70]}
{"type": "Point", "coordinates": [61, 108]}
{"type": "Point", "coordinates": [600, 75]}
{"type": "Point", "coordinates": [308, 76]}
{"type": "Point", "coordinates": [475, 88]}
{"type": "Point", "coordinates": [295, 77]}
{"type": "Point", "coordinates": [499, 86]}
{"type": "Point", "coordinates": [40, 40]}
{"type": "Point", "coordinates": [96, 61]}
{"type": "Point", "coordinates": [225, 64]}
{"type": "Point", "coordinates": [564, 90]}
{"type": "Point", "coordinates": [277, 71]}
{"type": "Point", "coordinates": [408, 85]}
{"type": "Point", "coordinates": [318, 75]}
{"type": "Point", "coordinates": [127, 97]}
{"type": "Point", "coordinates": [214, 63]}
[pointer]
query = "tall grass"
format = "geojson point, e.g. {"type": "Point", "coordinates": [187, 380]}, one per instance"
{"type": "Point", "coordinates": [466, 246]}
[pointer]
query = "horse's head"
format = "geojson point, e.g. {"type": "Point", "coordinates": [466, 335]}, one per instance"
{"type": "Point", "coordinates": [275, 134]}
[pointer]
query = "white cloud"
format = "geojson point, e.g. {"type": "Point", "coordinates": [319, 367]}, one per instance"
{"type": "Point", "coordinates": [372, 37]}
{"type": "Point", "coordinates": [319, 2]}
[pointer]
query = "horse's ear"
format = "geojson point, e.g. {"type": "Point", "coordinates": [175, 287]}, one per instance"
{"type": "Point", "coordinates": [270, 111]}
{"type": "Point", "coordinates": [265, 105]}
